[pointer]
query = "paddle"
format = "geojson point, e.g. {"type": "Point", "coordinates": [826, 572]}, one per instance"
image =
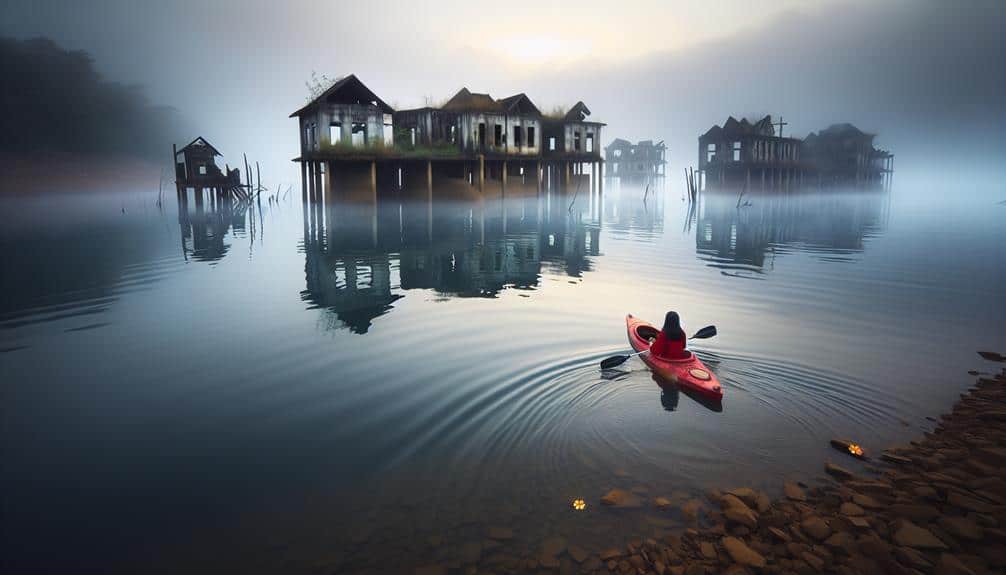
{"type": "Point", "coordinates": [615, 360]}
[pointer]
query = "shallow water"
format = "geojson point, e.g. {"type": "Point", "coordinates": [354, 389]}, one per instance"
{"type": "Point", "coordinates": [334, 388]}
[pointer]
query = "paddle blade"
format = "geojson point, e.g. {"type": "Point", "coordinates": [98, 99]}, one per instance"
{"type": "Point", "coordinates": [705, 333]}
{"type": "Point", "coordinates": [614, 361]}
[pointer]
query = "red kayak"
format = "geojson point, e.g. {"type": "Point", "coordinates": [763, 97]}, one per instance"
{"type": "Point", "coordinates": [689, 372]}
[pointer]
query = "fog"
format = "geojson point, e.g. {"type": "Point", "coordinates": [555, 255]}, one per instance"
{"type": "Point", "coordinates": [926, 76]}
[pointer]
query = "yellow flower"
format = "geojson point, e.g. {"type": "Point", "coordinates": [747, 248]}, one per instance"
{"type": "Point", "coordinates": [579, 504]}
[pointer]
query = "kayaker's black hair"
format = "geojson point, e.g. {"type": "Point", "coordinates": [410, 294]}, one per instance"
{"type": "Point", "coordinates": [672, 326]}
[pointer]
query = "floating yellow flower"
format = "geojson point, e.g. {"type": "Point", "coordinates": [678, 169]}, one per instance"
{"type": "Point", "coordinates": [579, 504]}
{"type": "Point", "coordinates": [855, 450]}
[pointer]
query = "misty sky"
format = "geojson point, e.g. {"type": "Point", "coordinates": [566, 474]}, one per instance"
{"type": "Point", "coordinates": [924, 74]}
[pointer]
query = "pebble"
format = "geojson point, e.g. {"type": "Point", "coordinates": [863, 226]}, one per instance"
{"type": "Point", "coordinates": [741, 553]}
{"type": "Point", "coordinates": [577, 553]}
{"type": "Point", "coordinates": [838, 471]}
{"type": "Point", "coordinates": [911, 535]}
{"type": "Point", "coordinates": [816, 528]}
{"type": "Point", "coordinates": [950, 565]}
{"type": "Point", "coordinates": [793, 491]}
{"type": "Point", "coordinates": [962, 527]}
{"type": "Point", "coordinates": [851, 510]}
{"type": "Point", "coordinates": [621, 498]}
{"type": "Point", "coordinates": [500, 533]}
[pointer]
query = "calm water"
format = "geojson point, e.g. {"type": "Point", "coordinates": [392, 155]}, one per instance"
{"type": "Point", "coordinates": [372, 386]}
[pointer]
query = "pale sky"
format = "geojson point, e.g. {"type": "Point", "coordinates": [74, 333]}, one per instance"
{"type": "Point", "coordinates": [661, 70]}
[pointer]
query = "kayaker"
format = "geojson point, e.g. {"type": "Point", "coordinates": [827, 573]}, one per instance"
{"type": "Point", "coordinates": [671, 341]}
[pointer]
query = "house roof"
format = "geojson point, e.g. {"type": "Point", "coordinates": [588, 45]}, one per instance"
{"type": "Point", "coordinates": [844, 130]}
{"type": "Point", "coordinates": [200, 142]}
{"type": "Point", "coordinates": [466, 100]}
{"type": "Point", "coordinates": [347, 90]}
{"type": "Point", "coordinates": [578, 113]}
{"type": "Point", "coordinates": [619, 143]}
{"type": "Point", "coordinates": [520, 104]}
{"type": "Point", "coordinates": [733, 128]}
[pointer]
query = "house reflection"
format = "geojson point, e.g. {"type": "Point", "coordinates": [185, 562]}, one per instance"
{"type": "Point", "coordinates": [204, 228]}
{"type": "Point", "coordinates": [363, 253]}
{"type": "Point", "coordinates": [740, 235]}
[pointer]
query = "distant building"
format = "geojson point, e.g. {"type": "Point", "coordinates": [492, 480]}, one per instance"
{"type": "Point", "coordinates": [745, 152]}
{"type": "Point", "coordinates": [842, 152]}
{"type": "Point", "coordinates": [628, 160]}
{"type": "Point", "coordinates": [741, 150]}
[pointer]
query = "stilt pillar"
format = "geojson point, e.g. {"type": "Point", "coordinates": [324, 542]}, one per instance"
{"type": "Point", "coordinates": [482, 173]}
{"type": "Point", "coordinates": [303, 182]}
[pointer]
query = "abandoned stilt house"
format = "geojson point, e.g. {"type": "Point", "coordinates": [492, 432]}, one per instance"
{"type": "Point", "coordinates": [641, 160]}
{"type": "Point", "coordinates": [756, 154]}
{"type": "Point", "coordinates": [196, 168]}
{"type": "Point", "coordinates": [472, 136]}
{"type": "Point", "coordinates": [741, 150]}
{"type": "Point", "coordinates": [843, 152]}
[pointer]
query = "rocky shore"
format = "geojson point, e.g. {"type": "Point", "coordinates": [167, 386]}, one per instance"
{"type": "Point", "coordinates": [936, 506]}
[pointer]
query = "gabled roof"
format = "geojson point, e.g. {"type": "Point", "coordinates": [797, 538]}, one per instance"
{"type": "Point", "coordinates": [844, 130]}
{"type": "Point", "coordinates": [734, 128]}
{"type": "Point", "coordinates": [465, 100]}
{"type": "Point", "coordinates": [347, 90]}
{"type": "Point", "coordinates": [578, 113]}
{"type": "Point", "coordinates": [200, 142]}
{"type": "Point", "coordinates": [619, 143]}
{"type": "Point", "coordinates": [519, 104]}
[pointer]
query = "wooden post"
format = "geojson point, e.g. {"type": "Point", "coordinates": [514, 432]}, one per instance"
{"type": "Point", "coordinates": [258, 181]}
{"type": "Point", "coordinates": [304, 182]}
{"type": "Point", "coordinates": [600, 180]}
{"type": "Point", "coordinates": [482, 173]}
{"type": "Point", "coordinates": [537, 173]}
{"type": "Point", "coordinates": [429, 200]}
{"type": "Point", "coordinates": [319, 190]}
{"type": "Point", "coordinates": [328, 189]}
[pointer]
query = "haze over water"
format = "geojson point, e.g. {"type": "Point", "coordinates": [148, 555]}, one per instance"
{"type": "Point", "coordinates": [288, 389]}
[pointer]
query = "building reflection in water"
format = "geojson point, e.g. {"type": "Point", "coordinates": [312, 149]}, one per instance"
{"type": "Point", "coordinates": [204, 228]}
{"type": "Point", "coordinates": [743, 235]}
{"type": "Point", "coordinates": [364, 248]}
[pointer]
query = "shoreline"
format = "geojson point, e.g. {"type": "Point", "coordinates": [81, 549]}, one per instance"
{"type": "Point", "coordinates": [56, 172]}
{"type": "Point", "coordinates": [937, 505]}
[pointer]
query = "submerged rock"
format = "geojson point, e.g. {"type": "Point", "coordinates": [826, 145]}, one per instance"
{"type": "Point", "coordinates": [741, 553]}
{"type": "Point", "coordinates": [621, 498]}
{"type": "Point", "coordinates": [793, 491]}
{"type": "Point", "coordinates": [816, 528]}
{"type": "Point", "coordinates": [911, 535]}
{"type": "Point", "coordinates": [838, 471]}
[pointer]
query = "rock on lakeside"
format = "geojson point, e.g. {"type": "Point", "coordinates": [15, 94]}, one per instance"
{"type": "Point", "coordinates": [936, 506]}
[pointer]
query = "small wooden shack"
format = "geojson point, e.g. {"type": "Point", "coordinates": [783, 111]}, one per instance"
{"type": "Point", "coordinates": [196, 168]}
